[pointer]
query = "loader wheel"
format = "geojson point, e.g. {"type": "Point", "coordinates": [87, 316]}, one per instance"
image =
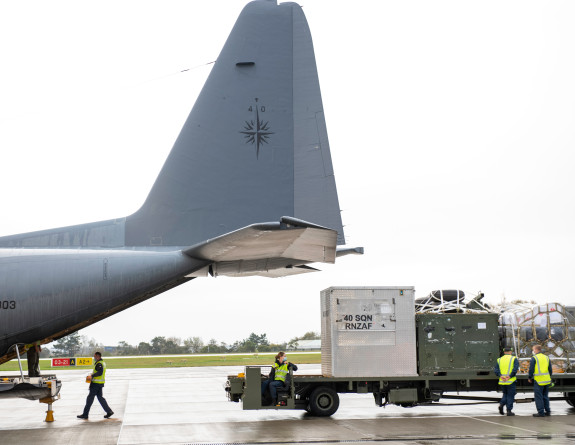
{"type": "Point", "coordinates": [570, 398]}
{"type": "Point", "coordinates": [323, 401]}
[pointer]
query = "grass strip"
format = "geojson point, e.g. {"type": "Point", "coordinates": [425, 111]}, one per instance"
{"type": "Point", "coordinates": [176, 361]}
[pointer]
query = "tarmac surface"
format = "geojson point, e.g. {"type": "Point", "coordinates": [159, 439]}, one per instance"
{"type": "Point", "coordinates": [189, 406]}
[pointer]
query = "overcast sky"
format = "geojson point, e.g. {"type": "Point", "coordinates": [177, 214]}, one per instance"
{"type": "Point", "coordinates": [451, 126]}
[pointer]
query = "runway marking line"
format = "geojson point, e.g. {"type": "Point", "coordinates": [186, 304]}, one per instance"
{"type": "Point", "coordinates": [496, 423]}
{"type": "Point", "coordinates": [125, 409]}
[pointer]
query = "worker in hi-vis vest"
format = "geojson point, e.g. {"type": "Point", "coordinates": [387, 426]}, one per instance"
{"type": "Point", "coordinates": [97, 380]}
{"type": "Point", "coordinates": [540, 372]}
{"type": "Point", "coordinates": [277, 376]}
{"type": "Point", "coordinates": [506, 368]}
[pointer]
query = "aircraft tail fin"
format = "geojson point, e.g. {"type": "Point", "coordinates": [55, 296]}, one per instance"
{"type": "Point", "coordinates": [254, 147]}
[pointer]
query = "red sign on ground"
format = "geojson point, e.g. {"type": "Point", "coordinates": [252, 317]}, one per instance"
{"type": "Point", "coordinates": [60, 362]}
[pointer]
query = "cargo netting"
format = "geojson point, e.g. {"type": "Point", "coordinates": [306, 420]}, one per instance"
{"type": "Point", "coordinates": [548, 325]}
{"type": "Point", "coordinates": [520, 326]}
{"type": "Point", "coordinates": [449, 302]}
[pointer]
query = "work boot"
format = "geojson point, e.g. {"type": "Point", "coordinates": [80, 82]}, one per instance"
{"type": "Point", "coordinates": [538, 415]}
{"type": "Point", "coordinates": [510, 413]}
{"type": "Point", "coordinates": [548, 413]}
{"type": "Point", "coordinates": [108, 415]}
{"type": "Point", "coordinates": [82, 416]}
{"type": "Point", "coordinates": [501, 410]}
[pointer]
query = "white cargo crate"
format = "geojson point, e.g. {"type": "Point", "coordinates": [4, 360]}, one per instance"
{"type": "Point", "coordinates": [368, 332]}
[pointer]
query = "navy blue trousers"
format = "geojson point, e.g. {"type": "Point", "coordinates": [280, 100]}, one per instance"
{"type": "Point", "coordinates": [96, 391]}
{"type": "Point", "coordinates": [541, 398]}
{"type": "Point", "coordinates": [508, 397]}
{"type": "Point", "coordinates": [272, 387]}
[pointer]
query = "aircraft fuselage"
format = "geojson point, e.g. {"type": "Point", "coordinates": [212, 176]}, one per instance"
{"type": "Point", "coordinates": [45, 293]}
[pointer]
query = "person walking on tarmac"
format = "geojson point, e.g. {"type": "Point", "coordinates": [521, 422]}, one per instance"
{"type": "Point", "coordinates": [277, 376]}
{"type": "Point", "coordinates": [541, 371]}
{"type": "Point", "coordinates": [97, 380]}
{"type": "Point", "coordinates": [506, 369]}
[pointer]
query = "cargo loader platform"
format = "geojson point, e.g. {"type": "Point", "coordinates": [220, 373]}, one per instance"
{"type": "Point", "coordinates": [31, 388]}
{"type": "Point", "coordinates": [318, 394]}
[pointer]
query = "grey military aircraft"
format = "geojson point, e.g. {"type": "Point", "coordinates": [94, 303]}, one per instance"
{"type": "Point", "coordinates": [247, 189]}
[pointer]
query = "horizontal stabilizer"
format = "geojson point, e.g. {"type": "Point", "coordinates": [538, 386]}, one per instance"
{"type": "Point", "coordinates": [262, 268]}
{"type": "Point", "coordinates": [268, 249]}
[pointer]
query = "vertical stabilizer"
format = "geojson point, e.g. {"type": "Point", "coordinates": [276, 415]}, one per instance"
{"type": "Point", "coordinates": [254, 147]}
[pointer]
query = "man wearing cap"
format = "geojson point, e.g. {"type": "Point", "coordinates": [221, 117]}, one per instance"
{"type": "Point", "coordinates": [540, 372]}
{"type": "Point", "coordinates": [506, 368]}
{"type": "Point", "coordinates": [97, 380]}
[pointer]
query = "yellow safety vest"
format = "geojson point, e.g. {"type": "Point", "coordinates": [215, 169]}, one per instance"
{"type": "Point", "coordinates": [281, 371]}
{"type": "Point", "coordinates": [102, 378]}
{"type": "Point", "coordinates": [505, 368]}
{"type": "Point", "coordinates": [541, 373]}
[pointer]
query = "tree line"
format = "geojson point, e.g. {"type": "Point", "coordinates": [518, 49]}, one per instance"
{"type": "Point", "coordinates": [75, 345]}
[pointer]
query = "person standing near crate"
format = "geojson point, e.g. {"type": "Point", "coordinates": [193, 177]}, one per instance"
{"type": "Point", "coordinates": [506, 369]}
{"type": "Point", "coordinates": [540, 372]}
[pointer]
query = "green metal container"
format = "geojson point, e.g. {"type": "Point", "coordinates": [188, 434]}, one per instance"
{"type": "Point", "coordinates": [457, 343]}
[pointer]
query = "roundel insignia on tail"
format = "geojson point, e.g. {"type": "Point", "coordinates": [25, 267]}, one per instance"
{"type": "Point", "coordinates": [256, 131]}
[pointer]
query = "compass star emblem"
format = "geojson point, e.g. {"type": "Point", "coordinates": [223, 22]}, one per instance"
{"type": "Point", "coordinates": [256, 132]}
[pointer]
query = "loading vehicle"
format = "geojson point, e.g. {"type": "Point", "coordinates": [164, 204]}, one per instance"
{"type": "Point", "coordinates": [374, 343]}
